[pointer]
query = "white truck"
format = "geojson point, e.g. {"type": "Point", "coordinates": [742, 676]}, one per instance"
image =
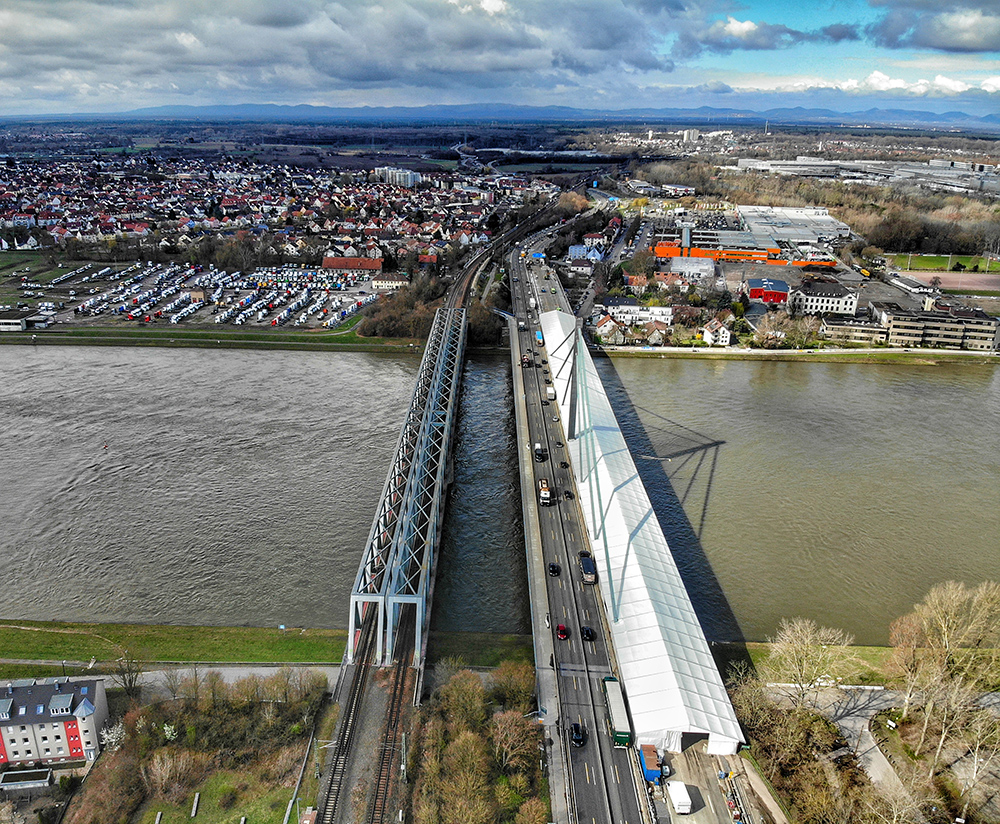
{"type": "Point", "coordinates": [550, 393]}
{"type": "Point", "coordinates": [679, 797]}
{"type": "Point", "coordinates": [532, 304]}
{"type": "Point", "coordinates": [544, 492]}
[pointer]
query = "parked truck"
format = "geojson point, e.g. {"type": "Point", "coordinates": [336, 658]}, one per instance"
{"type": "Point", "coordinates": [544, 493]}
{"type": "Point", "coordinates": [679, 797]}
{"type": "Point", "coordinates": [532, 304]}
{"type": "Point", "coordinates": [649, 759]}
{"type": "Point", "coordinates": [550, 393]}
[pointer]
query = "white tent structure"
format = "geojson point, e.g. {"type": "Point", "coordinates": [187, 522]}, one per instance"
{"type": "Point", "coordinates": [671, 682]}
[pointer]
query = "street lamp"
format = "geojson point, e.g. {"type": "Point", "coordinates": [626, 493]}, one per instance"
{"type": "Point", "coordinates": [64, 668]}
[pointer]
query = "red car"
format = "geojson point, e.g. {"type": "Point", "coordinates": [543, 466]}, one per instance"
{"type": "Point", "coordinates": [561, 632]}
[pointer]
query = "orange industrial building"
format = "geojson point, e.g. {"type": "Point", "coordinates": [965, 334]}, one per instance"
{"type": "Point", "coordinates": [733, 247]}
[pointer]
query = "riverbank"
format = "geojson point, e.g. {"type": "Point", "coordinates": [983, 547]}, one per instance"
{"type": "Point", "coordinates": [921, 357]}
{"type": "Point", "coordinates": [322, 341]}
{"type": "Point", "coordinates": [78, 644]}
{"type": "Point", "coordinates": [350, 341]}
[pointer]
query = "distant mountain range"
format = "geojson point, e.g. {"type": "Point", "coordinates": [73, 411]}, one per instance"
{"type": "Point", "coordinates": [706, 116]}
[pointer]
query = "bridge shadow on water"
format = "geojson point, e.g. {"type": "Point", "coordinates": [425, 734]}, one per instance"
{"type": "Point", "coordinates": [678, 472]}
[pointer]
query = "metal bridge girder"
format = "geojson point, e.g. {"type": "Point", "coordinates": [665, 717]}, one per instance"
{"type": "Point", "coordinates": [400, 548]}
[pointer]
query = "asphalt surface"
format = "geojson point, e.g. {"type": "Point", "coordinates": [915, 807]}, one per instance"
{"type": "Point", "coordinates": [601, 786]}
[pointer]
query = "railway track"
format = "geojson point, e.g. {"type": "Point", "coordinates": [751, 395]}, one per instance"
{"type": "Point", "coordinates": [390, 748]}
{"type": "Point", "coordinates": [332, 791]}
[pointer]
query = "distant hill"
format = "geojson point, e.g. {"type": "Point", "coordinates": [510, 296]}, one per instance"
{"type": "Point", "coordinates": [479, 112]}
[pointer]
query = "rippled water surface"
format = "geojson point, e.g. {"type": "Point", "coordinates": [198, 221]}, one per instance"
{"type": "Point", "coordinates": [239, 487]}
{"type": "Point", "coordinates": [200, 487]}
{"type": "Point", "coordinates": [839, 492]}
{"type": "Point", "coordinates": [191, 486]}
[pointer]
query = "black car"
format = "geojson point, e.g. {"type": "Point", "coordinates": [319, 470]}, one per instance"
{"type": "Point", "coordinates": [559, 444]}
{"type": "Point", "coordinates": [567, 495]}
{"type": "Point", "coordinates": [577, 735]}
{"type": "Point", "coordinates": [564, 464]}
{"type": "Point", "coordinates": [554, 570]}
{"type": "Point", "coordinates": [545, 402]}
{"type": "Point", "coordinates": [586, 633]}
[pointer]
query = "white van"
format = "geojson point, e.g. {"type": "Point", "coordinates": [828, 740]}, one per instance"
{"type": "Point", "coordinates": [679, 797]}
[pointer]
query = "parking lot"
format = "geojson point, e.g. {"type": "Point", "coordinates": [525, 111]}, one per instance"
{"type": "Point", "coordinates": [148, 293]}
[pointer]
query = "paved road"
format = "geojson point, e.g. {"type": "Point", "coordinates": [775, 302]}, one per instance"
{"type": "Point", "coordinates": [852, 710]}
{"type": "Point", "coordinates": [600, 776]}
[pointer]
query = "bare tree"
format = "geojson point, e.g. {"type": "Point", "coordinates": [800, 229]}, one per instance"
{"type": "Point", "coordinates": [910, 664]}
{"type": "Point", "coordinates": [981, 737]}
{"type": "Point", "coordinates": [172, 681]}
{"type": "Point", "coordinates": [463, 701]}
{"type": "Point", "coordinates": [515, 739]}
{"type": "Point", "coordinates": [893, 803]}
{"type": "Point", "coordinates": [191, 687]}
{"type": "Point", "coordinates": [532, 811]}
{"type": "Point", "coordinates": [514, 685]}
{"type": "Point", "coordinates": [952, 702]}
{"type": "Point", "coordinates": [216, 686]}
{"type": "Point", "coordinates": [808, 656]}
{"type": "Point", "coordinates": [957, 620]}
{"type": "Point", "coordinates": [128, 672]}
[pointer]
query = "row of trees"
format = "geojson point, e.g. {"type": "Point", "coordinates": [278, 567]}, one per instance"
{"type": "Point", "coordinates": [476, 751]}
{"type": "Point", "coordinates": [945, 655]}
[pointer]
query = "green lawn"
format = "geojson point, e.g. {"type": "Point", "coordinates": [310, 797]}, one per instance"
{"type": "Point", "coordinates": [16, 260]}
{"type": "Point", "coordinates": [935, 263]}
{"type": "Point", "coordinates": [480, 649]}
{"type": "Point", "coordinates": [56, 641]}
{"type": "Point", "coordinates": [257, 802]}
{"type": "Point", "coordinates": [168, 335]}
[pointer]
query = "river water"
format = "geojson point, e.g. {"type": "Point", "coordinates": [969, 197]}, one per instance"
{"type": "Point", "coordinates": [837, 492]}
{"type": "Point", "coordinates": [201, 487]}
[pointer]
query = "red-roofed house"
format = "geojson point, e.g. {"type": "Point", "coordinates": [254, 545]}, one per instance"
{"type": "Point", "coordinates": [353, 265]}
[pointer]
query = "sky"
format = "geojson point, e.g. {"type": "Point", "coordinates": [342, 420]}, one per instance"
{"type": "Point", "coordinates": [70, 56]}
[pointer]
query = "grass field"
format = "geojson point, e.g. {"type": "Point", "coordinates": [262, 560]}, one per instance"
{"type": "Point", "coordinates": [479, 649]}
{"type": "Point", "coordinates": [54, 641]}
{"type": "Point", "coordinates": [256, 800]}
{"type": "Point", "coordinates": [936, 263]}
{"type": "Point", "coordinates": [169, 335]}
{"type": "Point", "coordinates": [15, 260]}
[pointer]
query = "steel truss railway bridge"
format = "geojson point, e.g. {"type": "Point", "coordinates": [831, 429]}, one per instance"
{"type": "Point", "coordinates": [397, 566]}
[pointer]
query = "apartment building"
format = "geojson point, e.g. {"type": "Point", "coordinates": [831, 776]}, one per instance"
{"type": "Point", "coordinates": [51, 720]}
{"type": "Point", "coordinates": [823, 296]}
{"type": "Point", "coordinates": [949, 327]}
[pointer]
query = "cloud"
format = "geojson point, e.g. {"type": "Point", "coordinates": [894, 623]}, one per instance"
{"type": "Point", "coordinates": [730, 35]}
{"type": "Point", "coordinates": [952, 29]}
{"type": "Point", "coordinates": [881, 83]}
{"type": "Point", "coordinates": [107, 55]}
{"type": "Point", "coordinates": [326, 51]}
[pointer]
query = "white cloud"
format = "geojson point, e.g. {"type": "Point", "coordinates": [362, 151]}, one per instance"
{"type": "Point", "coordinates": [186, 39]}
{"type": "Point", "coordinates": [880, 82]}
{"type": "Point", "coordinates": [991, 84]}
{"type": "Point", "coordinates": [735, 28]}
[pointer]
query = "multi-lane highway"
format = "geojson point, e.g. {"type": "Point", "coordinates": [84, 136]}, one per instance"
{"type": "Point", "coordinates": [601, 782]}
